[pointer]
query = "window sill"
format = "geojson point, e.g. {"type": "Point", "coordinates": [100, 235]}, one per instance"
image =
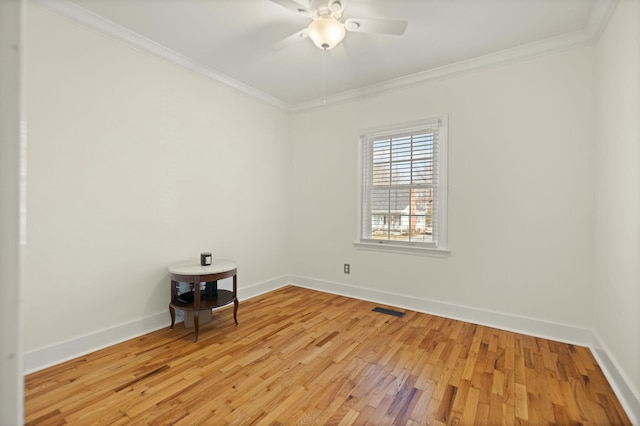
{"type": "Point", "coordinates": [393, 248]}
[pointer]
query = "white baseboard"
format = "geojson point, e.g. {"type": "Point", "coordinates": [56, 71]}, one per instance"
{"type": "Point", "coordinates": [55, 354]}
{"type": "Point", "coordinates": [629, 396]}
{"type": "Point", "coordinates": [263, 287]}
{"type": "Point", "coordinates": [530, 326]}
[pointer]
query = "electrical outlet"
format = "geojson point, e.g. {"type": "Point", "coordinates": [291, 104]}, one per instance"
{"type": "Point", "coordinates": [347, 268]}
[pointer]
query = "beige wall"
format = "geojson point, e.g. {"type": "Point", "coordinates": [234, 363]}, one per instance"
{"type": "Point", "coordinates": [617, 192]}
{"type": "Point", "coordinates": [136, 163]}
{"type": "Point", "coordinates": [520, 190]}
{"type": "Point", "coordinates": [11, 53]}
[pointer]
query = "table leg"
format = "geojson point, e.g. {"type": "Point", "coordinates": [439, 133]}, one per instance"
{"type": "Point", "coordinates": [235, 310]}
{"type": "Point", "coordinates": [172, 312]}
{"type": "Point", "coordinates": [196, 321]}
{"type": "Point", "coordinates": [235, 298]}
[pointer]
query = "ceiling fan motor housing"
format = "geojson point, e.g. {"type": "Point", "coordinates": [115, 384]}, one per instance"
{"type": "Point", "coordinates": [324, 8]}
{"type": "Point", "coordinates": [336, 6]}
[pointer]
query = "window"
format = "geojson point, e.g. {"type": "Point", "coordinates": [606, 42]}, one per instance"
{"type": "Point", "coordinates": [404, 188]}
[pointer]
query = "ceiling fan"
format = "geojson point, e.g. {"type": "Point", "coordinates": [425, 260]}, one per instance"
{"type": "Point", "coordinates": [327, 29]}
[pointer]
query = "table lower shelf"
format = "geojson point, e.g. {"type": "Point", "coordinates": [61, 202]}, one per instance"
{"type": "Point", "coordinates": [221, 298]}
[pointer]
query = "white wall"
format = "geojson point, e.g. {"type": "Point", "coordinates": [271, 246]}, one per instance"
{"type": "Point", "coordinates": [617, 192]}
{"type": "Point", "coordinates": [11, 381]}
{"type": "Point", "coordinates": [136, 163]}
{"type": "Point", "coordinates": [520, 190]}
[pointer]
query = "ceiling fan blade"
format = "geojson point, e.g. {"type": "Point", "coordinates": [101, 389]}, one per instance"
{"type": "Point", "coordinates": [289, 41]}
{"type": "Point", "coordinates": [294, 6]}
{"type": "Point", "coordinates": [381, 26]}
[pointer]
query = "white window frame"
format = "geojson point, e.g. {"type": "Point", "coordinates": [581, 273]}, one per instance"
{"type": "Point", "coordinates": [437, 248]}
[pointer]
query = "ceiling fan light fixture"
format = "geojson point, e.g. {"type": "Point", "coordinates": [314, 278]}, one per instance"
{"type": "Point", "coordinates": [326, 32]}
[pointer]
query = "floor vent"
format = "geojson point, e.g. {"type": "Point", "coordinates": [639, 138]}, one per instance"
{"type": "Point", "coordinates": [388, 311]}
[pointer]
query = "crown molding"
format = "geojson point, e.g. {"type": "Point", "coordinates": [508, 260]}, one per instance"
{"type": "Point", "coordinates": [527, 51]}
{"type": "Point", "coordinates": [598, 19]}
{"type": "Point", "coordinates": [131, 38]}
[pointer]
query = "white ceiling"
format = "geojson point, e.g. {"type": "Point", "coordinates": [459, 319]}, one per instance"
{"type": "Point", "coordinates": [232, 39]}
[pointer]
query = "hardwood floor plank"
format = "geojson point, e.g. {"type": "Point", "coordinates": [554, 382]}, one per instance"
{"type": "Point", "coordinates": [304, 357]}
{"type": "Point", "coordinates": [470, 407]}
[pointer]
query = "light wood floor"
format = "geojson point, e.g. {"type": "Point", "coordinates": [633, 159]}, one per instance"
{"type": "Point", "coordinates": [305, 357]}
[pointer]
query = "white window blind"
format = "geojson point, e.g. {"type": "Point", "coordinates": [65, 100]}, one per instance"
{"type": "Point", "coordinates": [403, 186]}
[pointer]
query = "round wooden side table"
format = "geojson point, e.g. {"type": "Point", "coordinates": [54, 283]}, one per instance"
{"type": "Point", "coordinates": [198, 299]}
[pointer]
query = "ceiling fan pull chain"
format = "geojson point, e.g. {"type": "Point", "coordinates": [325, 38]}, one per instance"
{"type": "Point", "coordinates": [324, 76]}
